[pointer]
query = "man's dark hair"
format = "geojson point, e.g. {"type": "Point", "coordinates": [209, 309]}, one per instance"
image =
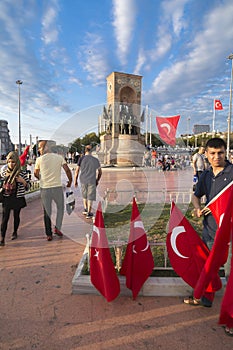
{"type": "Point", "coordinates": [216, 142]}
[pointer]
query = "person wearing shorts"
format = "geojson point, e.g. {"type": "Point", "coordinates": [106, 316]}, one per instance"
{"type": "Point", "coordinates": [90, 172]}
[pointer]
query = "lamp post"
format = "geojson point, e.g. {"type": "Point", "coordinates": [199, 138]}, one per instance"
{"type": "Point", "coordinates": [19, 82]}
{"type": "Point", "coordinates": [188, 130]}
{"type": "Point", "coordinates": [230, 57]}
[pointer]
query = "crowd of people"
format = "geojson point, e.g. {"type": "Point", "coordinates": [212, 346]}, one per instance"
{"type": "Point", "coordinates": [163, 161]}
{"type": "Point", "coordinates": [210, 165]}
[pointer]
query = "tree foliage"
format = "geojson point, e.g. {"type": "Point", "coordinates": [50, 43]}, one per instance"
{"type": "Point", "coordinates": [79, 144]}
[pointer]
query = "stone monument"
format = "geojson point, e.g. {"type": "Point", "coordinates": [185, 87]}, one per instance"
{"type": "Point", "coordinates": [121, 142]}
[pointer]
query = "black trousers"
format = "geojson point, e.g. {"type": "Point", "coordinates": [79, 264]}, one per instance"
{"type": "Point", "coordinates": [5, 218]}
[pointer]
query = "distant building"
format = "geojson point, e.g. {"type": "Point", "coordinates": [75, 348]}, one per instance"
{"type": "Point", "coordinates": [199, 128]}
{"type": "Point", "coordinates": [5, 142]}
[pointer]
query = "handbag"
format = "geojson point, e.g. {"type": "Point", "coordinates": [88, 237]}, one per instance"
{"type": "Point", "coordinates": [70, 202]}
{"type": "Point", "coordinates": [9, 189]}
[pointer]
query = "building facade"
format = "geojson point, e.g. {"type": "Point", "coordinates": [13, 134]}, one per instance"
{"type": "Point", "coordinates": [199, 128]}
{"type": "Point", "coordinates": [5, 142]}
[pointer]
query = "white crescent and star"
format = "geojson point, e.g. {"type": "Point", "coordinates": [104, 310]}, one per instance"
{"type": "Point", "coordinates": [175, 233]}
{"type": "Point", "coordinates": [221, 219]}
{"type": "Point", "coordinates": [167, 126]}
{"type": "Point", "coordinates": [217, 104]}
{"type": "Point", "coordinates": [96, 253]}
{"type": "Point", "coordinates": [139, 224]}
{"type": "Point", "coordinates": [96, 230]}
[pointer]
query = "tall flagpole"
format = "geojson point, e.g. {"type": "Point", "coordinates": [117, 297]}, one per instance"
{"type": "Point", "coordinates": [230, 57]}
{"type": "Point", "coordinates": [150, 128]}
{"type": "Point", "coordinates": [213, 131]}
{"type": "Point", "coordinates": [146, 115]}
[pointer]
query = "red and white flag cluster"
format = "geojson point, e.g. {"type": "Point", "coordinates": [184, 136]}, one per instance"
{"type": "Point", "coordinates": [138, 261]}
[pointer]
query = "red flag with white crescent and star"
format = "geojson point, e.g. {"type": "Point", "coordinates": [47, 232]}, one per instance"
{"type": "Point", "coordinates": [138, 262]}
{"type": "Point", "coordinates": [218, 204]}
{"type": "Point", "coordinates": [218, 105]}
{"type": "Point", "coordinates": [167, 128]}
{"type": "Point", "coordinates": [226, 312]}
{"type": "Point", "coordinates": [222, 207]}
{"type": "Point", "coordinates": [102, 270]}
{"type": "Point", "coordinates": [186, 251]}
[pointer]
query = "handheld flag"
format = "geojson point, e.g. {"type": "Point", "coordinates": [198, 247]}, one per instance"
{"type": "Point", "coordinates": [218, 204]}
{"type": "Point", "coordinates": [102, 270]}
{"type": "Point", "coordinates": [186, 251]}
{"type": "Point", "coordinates": [138, 261]}
{"type": "Point", "coordinates": [226, 312]}
{"type": "Point", "coordinates": [23, 156]}
{"type": "Point", "coordinates": [167, 128]}
{"type": "Point", "coordinates": [219, 252]}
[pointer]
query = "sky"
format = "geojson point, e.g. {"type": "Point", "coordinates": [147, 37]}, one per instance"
{"type": "Point", "coordinates": [63, 50]}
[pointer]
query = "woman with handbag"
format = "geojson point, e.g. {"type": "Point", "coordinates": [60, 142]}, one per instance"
{"type": "Point", "coordinates": [15, 182]}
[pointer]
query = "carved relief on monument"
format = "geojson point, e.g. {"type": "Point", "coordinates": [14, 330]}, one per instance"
{"type": "Point", "coordinates": [134, 82]}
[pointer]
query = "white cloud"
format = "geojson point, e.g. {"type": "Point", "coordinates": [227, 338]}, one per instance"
{"type": "Point", "coordinates": [93, 58]}
{"type": "Point", "coordinates": [49, 27]}
{"type": "Point", "coordinates": [174, 12]}
{"type": "Point", "coordinates": [124, 12]}
{"type": "Point", "coordinates": [196, 72]}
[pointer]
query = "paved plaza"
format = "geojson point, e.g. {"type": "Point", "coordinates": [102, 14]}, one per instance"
{"type": "Point", "coordinates": [38, 310]}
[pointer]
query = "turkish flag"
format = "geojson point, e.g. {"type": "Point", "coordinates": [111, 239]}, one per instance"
{"type": "Point", "coordinates": [218, 204]}
{"type": "Point", "coordinates": [218, 105]}
{"type": "Point", "coordinates": [186, 251]}
{"type": "Point", "coordinates": [167, 128]}
{"type": "Point", "coordinates": [226, 312]}
{"type": "Point", "coordinates": [23, 156]}
{"type": "Point", "coordinates": [138, 262]}
{"type": "Point", "coordinates": [219, 252]}
{"type": "Point", "coordinates": [102, 270]}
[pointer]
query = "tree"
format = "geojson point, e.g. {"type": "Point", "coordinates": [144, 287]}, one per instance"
{"type": "Point", "coordinates": [79, 144]}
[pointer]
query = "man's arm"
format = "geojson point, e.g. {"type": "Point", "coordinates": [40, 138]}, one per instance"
{"type": "Point", "coordinates": [197, 205]}
{"type": "Point", "coordinates": [68, 174]}
{"type": "Point", "coordinates": [194, 165]}
{"type": "Point", "coordinates": [98, 176]}
{"type": "Point", "coordinates": [37, 173]}
{"type": "Point", "coordinates": [76, 176]}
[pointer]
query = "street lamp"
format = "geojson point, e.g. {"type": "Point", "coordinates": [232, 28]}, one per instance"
{"type": "Point", "coordinates": [230, 57]}
{"type": "Point", "coordinates": [19, 82]}
{"type": "Point", "coordinates": [188, 129]}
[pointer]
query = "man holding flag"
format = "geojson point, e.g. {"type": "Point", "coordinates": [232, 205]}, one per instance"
{"type": "Point", "coordinates": [211, 182]}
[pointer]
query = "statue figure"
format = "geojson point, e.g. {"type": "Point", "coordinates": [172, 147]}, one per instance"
{"type": "Point", "coordinates": [107, 116]}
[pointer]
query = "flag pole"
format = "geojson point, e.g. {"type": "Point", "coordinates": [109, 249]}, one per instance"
{"type": "Point", "coordinates": [150, 128]}
{"type": "Point", "coordinates": [213, 131]}
{"type": "Point", "coordinates": [146, 124]}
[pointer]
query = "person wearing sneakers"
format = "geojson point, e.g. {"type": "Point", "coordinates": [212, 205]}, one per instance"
{"type": "Point", "coordinates": [88, 167]}
{"type": "Point", "coordinates": [15, 182]}
{"type": "Point", "coordinates": [48, 170]}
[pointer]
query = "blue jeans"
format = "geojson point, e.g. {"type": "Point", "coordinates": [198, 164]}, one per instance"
{"type": "Point", "coordinates": [48, 195]}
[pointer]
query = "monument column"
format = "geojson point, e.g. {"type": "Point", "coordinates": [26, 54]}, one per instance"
{"type": "Point", "coordinates": [124, 117]}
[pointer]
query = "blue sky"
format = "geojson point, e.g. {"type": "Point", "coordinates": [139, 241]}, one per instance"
{"type": "Point", "coordinates": [64, 50]}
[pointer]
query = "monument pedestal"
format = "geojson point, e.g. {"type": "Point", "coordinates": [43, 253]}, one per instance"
{"type": "Point", "coordinates": [124, 150]}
